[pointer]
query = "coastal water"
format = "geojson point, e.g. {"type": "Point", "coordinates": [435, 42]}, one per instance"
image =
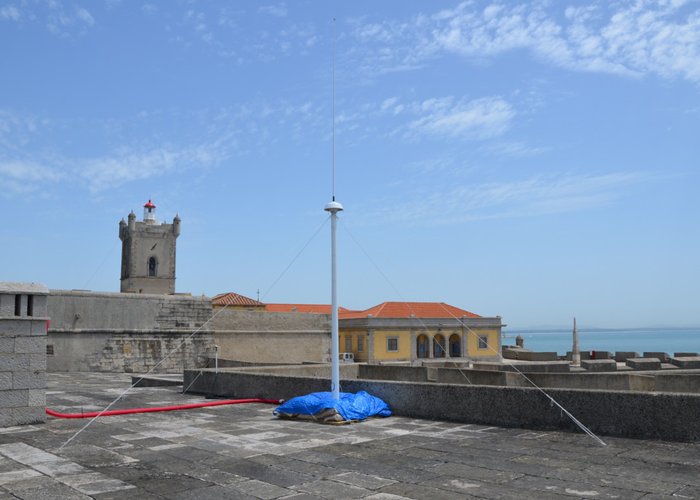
{"type": "Point", "coordinates": [669, 340]}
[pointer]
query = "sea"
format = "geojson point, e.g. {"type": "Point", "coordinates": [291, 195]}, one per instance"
{"type": "Point", "coordinates": [668, 340]}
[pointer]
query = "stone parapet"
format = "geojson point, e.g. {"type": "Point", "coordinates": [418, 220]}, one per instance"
{"type": "Point", "coordinates": [644, 363]}
{"type": "Point", "coordinates": [599, 365]}
{"type": "Point", "coordinates": [23, 323]}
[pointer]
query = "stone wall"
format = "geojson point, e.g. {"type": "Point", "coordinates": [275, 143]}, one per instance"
{"type": "Point", "coordinates": [23, 320]}
{"type": "Point", "coordinates": [265, 337]}
{"type": "Point", "coordinates": [133, 333]}
{"type": "Point", "coordinates": [615, 413]}
{"type": "Point", "coordinates": [94, 331]}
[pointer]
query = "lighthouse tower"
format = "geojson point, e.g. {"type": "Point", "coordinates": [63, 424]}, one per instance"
{"type": "Point", "coordinates": [148, 253]}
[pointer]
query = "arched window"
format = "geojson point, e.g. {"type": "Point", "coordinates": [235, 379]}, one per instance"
{"type": "Point", "coordinates": [152, 267]}
{"type": "Point", "coordinates": [422, 346]}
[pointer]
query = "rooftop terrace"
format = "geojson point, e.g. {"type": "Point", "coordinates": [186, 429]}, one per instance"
{"type": "Point", "coordinates": [244, 452]}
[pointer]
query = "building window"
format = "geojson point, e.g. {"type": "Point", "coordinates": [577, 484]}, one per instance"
{"type": "Point", "coordinates": [152, 267]}
{"type": "Point", "coordinates": [392, 344]}
{"type": "Point", "coordinates": [30, 305]}
{"type": "Point", "coordinates": [483, 341]}
{"type": "Point", "coordinates": [348, 343]}
{"type": "Point", "coordinates": [360, 343]}
{"type": "Point", "coordinates": [18, 305]}
{"type": "Point", "coordinates": [49, 350]}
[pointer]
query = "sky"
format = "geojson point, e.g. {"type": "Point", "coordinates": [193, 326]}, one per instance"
{"type": "Point", "coordinates": [533, 160]}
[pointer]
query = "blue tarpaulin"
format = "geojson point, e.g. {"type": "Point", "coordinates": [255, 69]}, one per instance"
{"type": "Point", "coordinates": [321, 406]}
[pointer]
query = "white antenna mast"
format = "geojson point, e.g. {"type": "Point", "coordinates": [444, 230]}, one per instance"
{"type": "Point", "coordinates": [334, 207]}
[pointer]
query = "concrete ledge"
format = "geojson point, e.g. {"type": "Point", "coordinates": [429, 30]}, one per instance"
{"type": "Point", "coordinates": [623, 356]}
{"type": "Point", "coordinates": [629, 414]}
{"type": "Point", "coordinates": [600, 365]}
{"type": "Point", "coordinates": [539, 367]}
{"type": "Point", "coordinates": [690, 362]}
{"type": "Point", "coordinates": [662, 356]}
{"type": "Point", "coordinates": [156, 381]}
{"type": "Point", "coordinates": [537, 356]}
{"type": "Point", "coordinates": [678, 382]}
{"type": "Point", "coordinates": [644, 363]}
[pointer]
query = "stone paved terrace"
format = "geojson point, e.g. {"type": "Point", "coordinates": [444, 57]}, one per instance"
{"type": "Point", "coordinates": [243, 452]}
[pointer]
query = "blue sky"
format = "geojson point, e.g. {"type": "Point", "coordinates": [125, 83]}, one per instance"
{"type": "Point", "coordinates": [535, 160]}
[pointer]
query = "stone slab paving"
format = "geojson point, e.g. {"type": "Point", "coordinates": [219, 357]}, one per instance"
{"type": "Point", "coordinates": [243, 452]}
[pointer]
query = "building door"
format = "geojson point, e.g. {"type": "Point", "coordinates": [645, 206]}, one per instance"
{"type": "Point", "coordinates": [422, 347]}
{"type": "Point", "coordinates": [455, 346]}
{"type": "Point", "coordinates": [438, 346]}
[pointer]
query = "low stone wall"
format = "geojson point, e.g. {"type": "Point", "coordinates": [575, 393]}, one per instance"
{"type": "Point", "coordinates": [587, 381]}
{"type": "Point", "coordinates": [407, 373]}
{"type": "Point", "coordinates": [616, 413]}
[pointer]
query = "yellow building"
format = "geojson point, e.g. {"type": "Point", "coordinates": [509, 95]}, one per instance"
{"type": "Point", "coordinates": [407, 331]}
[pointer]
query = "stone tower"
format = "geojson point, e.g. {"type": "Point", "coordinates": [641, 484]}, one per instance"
{"type": "Point", "coordinates": [148, 253]}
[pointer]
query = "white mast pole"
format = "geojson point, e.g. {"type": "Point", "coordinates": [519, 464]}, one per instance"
{"type": "Point", "coordinates": [334, 207]}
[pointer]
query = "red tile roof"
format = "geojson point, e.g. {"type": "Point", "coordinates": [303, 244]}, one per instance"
{"type": "Point", "coordinates": [411, 310]}
{"type": "Point", "coordinates": [234, 299]}
{"type": "Point", "coordinates": [303, 308]}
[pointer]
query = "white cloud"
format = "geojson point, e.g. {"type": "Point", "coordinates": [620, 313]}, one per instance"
{"type": "Point", "coordinates": [277, 10]}
{"type": "Point", "coordinates": [512, 149]}
{"type": "Point", "coordinates": [477, 119]}
{"type": "Point", "coordinates": [83, 15]}
{"type": "Point", "coordinates": [631, 37]}
{"type": "Point", "coordinates": [534, 196]}
{"type": "Point", "coordinates": [104, 172]}
{"type": "Point", "coordinates": [10, 12]}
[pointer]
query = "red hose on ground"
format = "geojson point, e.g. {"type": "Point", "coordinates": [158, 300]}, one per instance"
{"type": "Point", "coordinates": [153, 409]}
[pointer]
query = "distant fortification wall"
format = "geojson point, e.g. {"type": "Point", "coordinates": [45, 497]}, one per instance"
{"type": "Point", "coordinates": [114, 332]}
{"type": "Point", "coordinates": [264, 337]}
{"type": "Point", "coordinates": [134, 333]}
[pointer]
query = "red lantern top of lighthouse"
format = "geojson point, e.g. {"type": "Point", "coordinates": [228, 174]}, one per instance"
{"type": "Point", "coordinates": [149, 213]}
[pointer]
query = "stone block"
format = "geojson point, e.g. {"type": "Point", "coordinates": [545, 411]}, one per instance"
{"type": "Point", "coordinates": [37, 362]}
{"type": "Point", "coordinates": [15, 327]}
{"type": "Point", "coordinates": [537, 356]}
{"type": "Point", "coordinates": [5, 381]}
{"type": "Point", "coordinates": [686, 362]}
{"type": "Point", "coordinates": [644, 363]}
{"type": "Point", "coordinates": [7, 345]}
{"type": "Point", "coordinates": [14, 362]}
{"type": "Point", "coordinates": [14, 398]}
{"type": "Point", "coordinates": [622, 356]}
{"type": "Point", "coordinates": [37, 397]}
{"type": "Point", "coordinates": [28, 415]}
{"type": "Point", "coordinates": [685, 354]}
{"type": "Point", "coordinates": [662, 356]}
{"type": "Point", "coordinates": [583, 355]}
{"type": "Point", "coordinates": [6, 418]}
{"type": "Point", "coordinates": [30, 345]}
{"type": "Point", "coordinates": [601, 355]}
{"type": "Point", "coordinates": [29, 380]}
{"type": "Point", "coordinates": [600, 365]}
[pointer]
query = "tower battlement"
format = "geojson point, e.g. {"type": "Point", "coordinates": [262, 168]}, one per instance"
{"type": "Point", "coordinates": [148, 253]}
